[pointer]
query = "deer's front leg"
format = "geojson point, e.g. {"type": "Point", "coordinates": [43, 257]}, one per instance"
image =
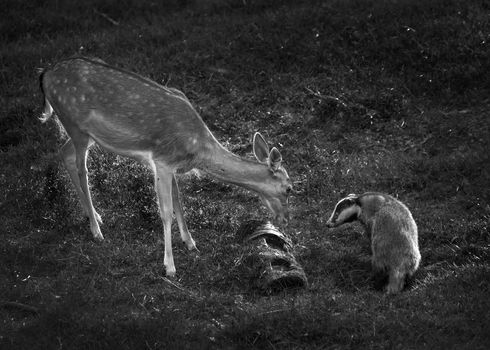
{"type": "Point", "coordinates": [163, 187]}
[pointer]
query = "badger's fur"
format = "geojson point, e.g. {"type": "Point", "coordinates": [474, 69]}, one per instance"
{"type": "Point", "coordinates": [391, 229]}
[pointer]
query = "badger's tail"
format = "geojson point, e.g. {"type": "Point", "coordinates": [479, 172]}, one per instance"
{"type": "Point", "coordinates": [47, 108]}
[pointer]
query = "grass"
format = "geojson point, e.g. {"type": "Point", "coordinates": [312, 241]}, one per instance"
{"type": "Point", "coordinates": [360, 95]}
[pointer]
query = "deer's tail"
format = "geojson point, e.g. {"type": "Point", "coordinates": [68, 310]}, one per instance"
{"type": "Point", "coordinates": [47, 108]}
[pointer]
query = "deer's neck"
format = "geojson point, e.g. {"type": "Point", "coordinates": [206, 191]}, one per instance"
{"type": "Point", "coordinates": [230, 168]}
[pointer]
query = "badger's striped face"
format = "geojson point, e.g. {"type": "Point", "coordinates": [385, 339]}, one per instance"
{"type": "Point", "coordinates": [346, 210]}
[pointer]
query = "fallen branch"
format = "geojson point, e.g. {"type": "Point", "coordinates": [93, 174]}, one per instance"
{"type": "Point", "coordinates": [16, 305]}
{"type": "Point", "coordinates": [183, 290]}
{"type": "Point", "coordinates": [327, 97]}
{"type": "Point", "coordinates": [417, 145]}
{"type": "Point", "coordinates": [116, 23]}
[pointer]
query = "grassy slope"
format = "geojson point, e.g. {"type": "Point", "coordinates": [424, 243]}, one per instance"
{"type": "Point", "coordinates": [410, 118]}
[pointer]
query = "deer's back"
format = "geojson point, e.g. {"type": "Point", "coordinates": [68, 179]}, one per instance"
{"type": "Point", "coordinates": [119, 109]}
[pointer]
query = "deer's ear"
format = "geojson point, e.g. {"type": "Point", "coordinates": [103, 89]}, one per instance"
{"type": "Point", "coordinates": [260, 148]}
{"type": "Point", "coordinates": [275, 158]}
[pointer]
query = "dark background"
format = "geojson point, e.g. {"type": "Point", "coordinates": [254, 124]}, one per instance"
{"type": "Point", "coordinates": [390, 96]}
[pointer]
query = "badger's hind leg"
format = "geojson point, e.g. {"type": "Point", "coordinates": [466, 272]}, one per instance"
{"type": "Point", "coordinates": [396, 281]}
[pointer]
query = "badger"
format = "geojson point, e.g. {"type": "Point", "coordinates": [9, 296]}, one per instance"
{"type": "Point", "coordinates": [392, 232]}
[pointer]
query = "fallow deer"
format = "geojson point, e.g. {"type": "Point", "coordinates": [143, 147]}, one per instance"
{"type": "Point", "coordinates": [136, 117]}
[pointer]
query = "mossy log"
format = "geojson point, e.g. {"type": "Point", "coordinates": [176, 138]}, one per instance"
{"type": "Point", "coordinates": [267, 258]}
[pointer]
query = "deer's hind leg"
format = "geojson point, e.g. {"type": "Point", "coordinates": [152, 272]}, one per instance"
{"type": "Point", "coordinates": [68, 155]}
{"type": "Point", "coordinates": [163, 188]}
{"type": "Point", "coordinates": [74, 153]}
{"type": "Point", "coordinates": [184, 231]}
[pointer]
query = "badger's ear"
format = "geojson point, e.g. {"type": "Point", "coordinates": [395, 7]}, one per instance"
{"type": "Point", "coordinates": [260, 148]}
{"type": "Point", "coordinates": [354, 197]}
{"type": "Point", "coordinates": [275, 159]}
{"type": "Point", "coordinates": [357, 200]}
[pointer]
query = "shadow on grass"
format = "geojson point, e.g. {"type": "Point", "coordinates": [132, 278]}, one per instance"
{"type": "Point", "coordinates": [72, 328]}
{"type": "Point", "coordinates": [319, 325]}
{"type": "Point", "coordinates": [352, 273]}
